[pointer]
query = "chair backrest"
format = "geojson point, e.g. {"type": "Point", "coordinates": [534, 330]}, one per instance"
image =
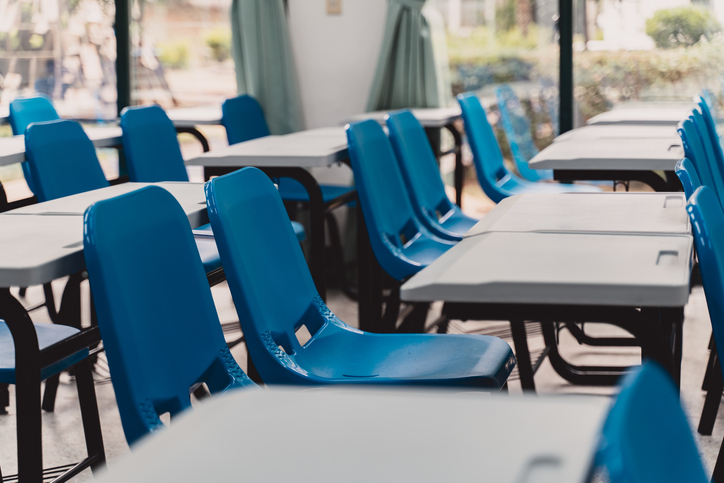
{"type": "Point", "coordinates": [707, 223]}
{"type": "Point", "coordinates": [517, 130]}
{"type": "Point", "coordinates": [243, 119]}
{"type": "Point", "coordinates": [487, 157]}
{"type": "Point", "coordinates": [711, 101]}
{"type": "Point", "coordinates": [418, 165]}
{"type": "Point", "coordinates": [61, 159]}
{"type": "Point", "coordinates": [157, 318]}
{"type": "Point", "coordinates": [694, 150]}
{"type": "Point", "coordinates": [263, 262]}
{"type": "Point", "coordinates": [150, 146]}
{"type": "Point", "coordinates": [646, 436]}
{"type": "Point", "coordinates": [689, 178]}
{"type": "Point", "coordinates": [711, 137]}
{"type": "Point", "coordinates": [390, 218]}
{"type": "Point", "coordinates": [26, 110]}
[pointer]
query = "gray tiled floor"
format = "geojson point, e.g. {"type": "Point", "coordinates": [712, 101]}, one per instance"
{"type": "Point", "coordinates": [63, 437]}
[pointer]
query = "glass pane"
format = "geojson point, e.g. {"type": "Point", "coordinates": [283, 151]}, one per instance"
{"type": "Point", "coordinates": [628, 52]}
{"type": "Point", "coordinates": [63, 49]}
{"type": "Point", "coordinates": [495, 44]}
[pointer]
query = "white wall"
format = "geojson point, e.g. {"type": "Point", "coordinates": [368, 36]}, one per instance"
{"type": "Point", "coordinates": [336, 56]}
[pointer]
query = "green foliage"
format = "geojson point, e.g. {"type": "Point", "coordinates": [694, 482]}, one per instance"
{"type": "Point", "coordinates": [505, 15]}
{"type": "Point", "coordinates": [480, 46]}
{"type": "Point", "coordinates": [219, 41]}
{"type": "Point", "coordinates": [681, 26]}
{"type": "Point", "coordinates": [174, 55]}
{"type": "Point", "coordinates": [36, 41]}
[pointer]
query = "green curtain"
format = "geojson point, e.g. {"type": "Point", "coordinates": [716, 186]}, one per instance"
{"type": "Point", "coordinates": [413, 68]}
{"type": "Point", "coordinates": [264, 62]}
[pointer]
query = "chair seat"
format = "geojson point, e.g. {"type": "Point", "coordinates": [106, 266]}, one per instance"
{"type": "Point", "coordinates": [48, 334]}
{"type": "Point", "coordinates": [424, 251]}
{"type": "Point", "coordinates": [292, 190]}
{"type": "Point", "coordinates": [206, 244]}
{"type": "Point", "coordinates": [457, 223]}
{"type": "Point", "coordinates": [338, 353]}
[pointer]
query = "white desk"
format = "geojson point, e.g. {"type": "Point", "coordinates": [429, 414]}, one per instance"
{"type": "Point", "coordinates": [655, 114]}
{"type": "Point", "coordinates": [43, 242]}
{"type": "Point", "coordinates": [623, 213]}
{"type": "Point", "coordinates": [12, 149]}
{"type": "Point", "coordinates": [337, 435]}
{"type": "Point", "coordinates": [613, 159]}
{"type": "Point", "coordinates": [607, 154]}
{"type": "Point", "coordinates": [637, 282]}
{"type": "Point", "coordinates": [559, 268]}
{"type": "Point", "coordinates": [619, 131]}
{"type": "Point", "coordinates": [306, 149]}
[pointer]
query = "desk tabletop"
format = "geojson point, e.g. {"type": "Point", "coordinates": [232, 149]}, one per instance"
{"type": "Point", "coordinates": [622, 213]}
{"type": "Point", "coordinates": [605, 154]}
{"type": "Point", "coordinates": [12, 149]}
{"type": "Point", "coordinates": [428, 117]}
{"type": "Point", "coordinates": [620, 131]}
{"type": "Point", "coordinates": [561, 269]}
{"type": "Point", "coordinates": [334, 435]}
{"type": "Point", "coordinates": [655, 114]}
{"type": "Point", "coordinates": [43, 242]}
{"type": "Point", "coordinates": [195, 116]}
{"type": "Point", "coordinates": [306, 149]}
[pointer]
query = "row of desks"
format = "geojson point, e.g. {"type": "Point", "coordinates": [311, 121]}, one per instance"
{"type": "Point", "coordinates": [636, 275]}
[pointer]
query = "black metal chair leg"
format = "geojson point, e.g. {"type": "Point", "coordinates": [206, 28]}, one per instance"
{"type": "Point", "coordinates": [709, 364]}
{"type": "Point", "coordinates": [90, 415]}
{"type": "Point", "coordinates": [251, 370]}
{"type": "Point", "coordinates": [522, 354]}
{"type": "Point", "coordinates": [50, 391]}
{"type": "Point", "coordinates": [713, 399]}
{"type": "Point", "coordinates": [414, 322]}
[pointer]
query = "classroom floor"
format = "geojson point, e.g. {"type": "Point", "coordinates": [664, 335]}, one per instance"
{"type": "Point", "coordinates": [63, 436]}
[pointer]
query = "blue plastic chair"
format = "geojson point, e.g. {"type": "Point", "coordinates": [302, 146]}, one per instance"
{"type": "Point", "coordinates": [707, 221]}
{"type": "Point", "coordinates": [496, 180]}
{"type": "Point", "coordinates": [517, 131]}
{"type": "Point", "coordinates": [24, 111]}
{"type": "Point", "coordinates": [422, 178]}
{"type": "Point", "coordinates": [153, 154]}
{"type": "Point", "coordinates": [702, 159]}
{"type": "Point", "coordinates": [244, 120]}
{"type": "Point", "coordinates": [689, 178]}
{"type": "Point", "coordinates": [159, 324]}
{"type": "Point", "coordinates": [402, 245]}
{"type": "Point", "coordinates": [275, 296]}
{"type": "Point", "coordinates": [62, 160]}
{"type": "Point", "coordinates": [646, 436]}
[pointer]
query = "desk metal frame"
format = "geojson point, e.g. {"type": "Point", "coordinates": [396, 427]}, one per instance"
{"type": "Point", "coordinates": [658, 331]}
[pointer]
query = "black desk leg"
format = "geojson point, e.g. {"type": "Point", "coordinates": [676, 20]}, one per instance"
{"type": "Point", "coordinates": [522, 354]}
{"type": "Point", "coordinates": [369, 281]}
{"type": "Point", "coordinates": [27, 388]}
{"type": "Point", "coordinates": [459, 168]}
{"type": "Point", "coordinates": [197, 134]}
